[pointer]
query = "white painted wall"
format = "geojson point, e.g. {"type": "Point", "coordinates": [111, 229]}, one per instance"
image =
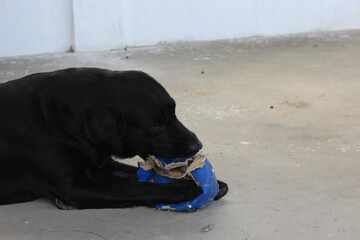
{"type": "Point", "coordinates": [98, 24]}
{"type": "Point", "coordinates": [36, 26]}
{"type": "Point", "coordinates": [149, 22]}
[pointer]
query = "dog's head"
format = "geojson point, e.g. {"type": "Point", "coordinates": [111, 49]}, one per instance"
{"type": "Point", "coordinates": [139, 119]}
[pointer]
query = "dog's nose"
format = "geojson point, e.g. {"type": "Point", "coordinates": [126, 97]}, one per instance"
{"type": "Point", "coordinates": [195, 147]}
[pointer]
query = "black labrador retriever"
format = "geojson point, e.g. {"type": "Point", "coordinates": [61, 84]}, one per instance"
{"type": "Point", "coordinates": [59, 131]}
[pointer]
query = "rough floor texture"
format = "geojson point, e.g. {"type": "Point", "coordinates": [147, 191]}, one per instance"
{"type": "Point", "coordinates": [279, 118]}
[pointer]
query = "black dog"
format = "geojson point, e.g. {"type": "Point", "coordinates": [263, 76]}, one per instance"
{"type": "Point", "coordinates": [58, 131]}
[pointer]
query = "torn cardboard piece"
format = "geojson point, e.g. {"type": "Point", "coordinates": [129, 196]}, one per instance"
{"type": "Point", "coordinates": [196, 168]}
{"type": "Point", "coordinates": [178, 168]}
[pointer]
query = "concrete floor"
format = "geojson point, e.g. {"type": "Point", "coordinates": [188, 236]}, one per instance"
{"type": "Point", "coordinates": [279, 118]}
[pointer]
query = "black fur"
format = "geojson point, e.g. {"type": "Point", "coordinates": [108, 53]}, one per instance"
{"type": "Point", "coordinates": [58, 131]}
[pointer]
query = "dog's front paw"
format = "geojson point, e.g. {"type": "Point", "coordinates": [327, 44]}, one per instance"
{"type": "Point", "coordinates": [223, 189]}
{"type": "Point", "coordinates": [63, 206]}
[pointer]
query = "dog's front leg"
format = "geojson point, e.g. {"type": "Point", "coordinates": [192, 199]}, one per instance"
{"type": "Point", "coordinates": [112, 192]}
{"type": "Point", "coordinates": [120, 170]}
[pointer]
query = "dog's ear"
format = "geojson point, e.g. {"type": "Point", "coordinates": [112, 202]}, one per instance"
{"type": "Point", "coordinates": [105, 129]}
{"type": "Point", "coordinates": [65, 122]}
{"type": "Point", "coordinates": [89, 131]}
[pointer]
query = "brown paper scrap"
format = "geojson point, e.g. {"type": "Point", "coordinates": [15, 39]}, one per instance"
{"type": "Point", "coordinates": [175, 170]}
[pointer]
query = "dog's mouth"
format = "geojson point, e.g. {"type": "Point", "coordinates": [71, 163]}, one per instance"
{"type": "Point", "coordinates": [144, 156]}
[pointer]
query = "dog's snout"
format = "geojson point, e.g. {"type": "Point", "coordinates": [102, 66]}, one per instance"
{"type": "Point", "coordinates": [199, 145]}
{"type": "Point", "coordinates": [195, 147]}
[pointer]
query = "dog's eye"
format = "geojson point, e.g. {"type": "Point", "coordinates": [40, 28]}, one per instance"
{"type": "Point", "coordinates": [159, 126]}
{"type": "Point", "coordinates": [156, 129]}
